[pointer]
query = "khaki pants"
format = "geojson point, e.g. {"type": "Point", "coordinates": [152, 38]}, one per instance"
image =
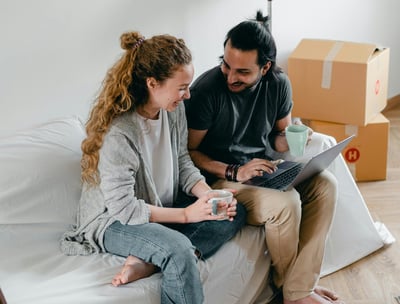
{"type": "Point", "coordinates": [296, 226]}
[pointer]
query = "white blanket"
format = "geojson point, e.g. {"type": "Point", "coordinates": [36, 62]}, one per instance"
{"type": "Point", "coordinates": [39, 192]}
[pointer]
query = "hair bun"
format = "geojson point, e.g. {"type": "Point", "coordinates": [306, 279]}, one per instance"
{"type": "Point", "coordinates": [261, 18]}
{"type": "Point", "coordinates": [130, 39]}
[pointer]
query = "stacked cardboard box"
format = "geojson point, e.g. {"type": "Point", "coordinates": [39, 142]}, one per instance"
{"type": "Point", "coordinates": [340, 88]}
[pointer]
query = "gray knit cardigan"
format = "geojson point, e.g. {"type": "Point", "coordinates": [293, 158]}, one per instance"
{"type": "Point", "coordinates": [126, 186]}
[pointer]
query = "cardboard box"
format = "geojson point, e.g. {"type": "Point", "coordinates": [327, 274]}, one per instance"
{"type": "Point", "coordinates": [366, 154]}
{"type": "Point", "coordinates": [337, 81]}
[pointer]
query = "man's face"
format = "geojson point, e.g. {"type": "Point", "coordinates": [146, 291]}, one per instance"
{"type": "Point", "coordinates": [240, 68]}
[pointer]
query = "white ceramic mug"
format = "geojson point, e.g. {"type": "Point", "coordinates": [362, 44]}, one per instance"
{"type": "Point", "coordinates": [220, 196]}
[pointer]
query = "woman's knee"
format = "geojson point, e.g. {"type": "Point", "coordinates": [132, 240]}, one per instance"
{"type": "Point", "coordinates": [230, 228]}
{"type": "Point", "coordinates": [178, 263]}
{"type": "Point", "coordinates": [152, 242]}
{"type": "Point", "coordinates": [240, 218]}
{"type": "Point", "coordinates": [180, 257]}
{"type": "Point", "coordinates": [178, 244]}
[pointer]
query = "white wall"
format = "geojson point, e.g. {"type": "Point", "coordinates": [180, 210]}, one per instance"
{"type": "Point", "coordinates": [55, 53]}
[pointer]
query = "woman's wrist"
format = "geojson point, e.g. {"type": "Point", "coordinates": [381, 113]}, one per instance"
{"type": "Point", "coordinates": [185, 218]}
{"type": "Point", "coordinates": [200, 189]}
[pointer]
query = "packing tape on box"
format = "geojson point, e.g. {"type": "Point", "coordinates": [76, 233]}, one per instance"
{"type": "Point", "coordinates": [328, 63]}
{"type": "Point", "coordinates": [350, 130]}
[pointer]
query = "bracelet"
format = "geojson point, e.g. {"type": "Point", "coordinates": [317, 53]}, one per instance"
{"type": "Point", "coordinates": [235, 172]}
{"type": "Point", "coordinates": [231, 172]}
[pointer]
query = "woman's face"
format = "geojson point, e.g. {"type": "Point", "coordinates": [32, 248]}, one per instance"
{"type": "Point", "coordinates": [168, 94]}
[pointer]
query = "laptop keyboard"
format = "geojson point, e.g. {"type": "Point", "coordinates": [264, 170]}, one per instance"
{"type": "Point", "coordinates": [283, 179]}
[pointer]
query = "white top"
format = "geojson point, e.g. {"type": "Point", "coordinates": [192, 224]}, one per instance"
{"type": "Point", "coordinates": [156, 145]}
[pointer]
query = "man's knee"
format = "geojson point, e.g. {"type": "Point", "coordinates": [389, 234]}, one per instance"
{"type": "Point", "coordinates": [327, 186]}
{"type": "Point", "coordinates": [321, 190]}
{"type": "Point", "coordinates": [264, 207]}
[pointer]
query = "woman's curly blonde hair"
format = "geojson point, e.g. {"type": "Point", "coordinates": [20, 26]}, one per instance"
{"type": "Point", "coordinates": [124, 88]}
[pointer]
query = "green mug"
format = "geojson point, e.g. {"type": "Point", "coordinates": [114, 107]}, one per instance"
{"type": "Point", "coordinates": [296, 136]}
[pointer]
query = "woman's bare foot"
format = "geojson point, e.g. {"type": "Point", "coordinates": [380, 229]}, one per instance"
{"type": "Point", "coordinates": [133, 269]}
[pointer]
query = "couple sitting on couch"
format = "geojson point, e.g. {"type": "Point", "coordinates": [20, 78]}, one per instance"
{"type": "Point", "coordinates": [144, 199]}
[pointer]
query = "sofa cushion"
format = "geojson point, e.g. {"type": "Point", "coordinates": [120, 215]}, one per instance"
{"type": "Point", "coordinates": [40, 173]}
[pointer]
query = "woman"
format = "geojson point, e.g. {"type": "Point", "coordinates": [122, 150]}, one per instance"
{"type": "Point", "coordinates": [137, 174]}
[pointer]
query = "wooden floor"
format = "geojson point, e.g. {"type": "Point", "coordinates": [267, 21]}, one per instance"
{"type": "Point", "coordinates": [376, 278]}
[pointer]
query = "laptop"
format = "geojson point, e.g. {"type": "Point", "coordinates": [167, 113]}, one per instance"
{"type": "Point", "coordinates": [289, 174]}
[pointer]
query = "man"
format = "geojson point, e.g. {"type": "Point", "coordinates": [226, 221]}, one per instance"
{"type": "Point", "coordinates": [237, 115]}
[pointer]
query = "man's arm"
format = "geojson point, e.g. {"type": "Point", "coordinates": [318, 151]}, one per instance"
{"type": "Point", "coordinates": [255, 167]}
{"type": "Point", "coordinates": [202, 161]}
{"type": "Point", "coordinates": [280, 142]}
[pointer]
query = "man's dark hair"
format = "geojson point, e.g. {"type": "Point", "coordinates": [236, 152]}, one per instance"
{"type": "Point", "coordinates": [254, 35]}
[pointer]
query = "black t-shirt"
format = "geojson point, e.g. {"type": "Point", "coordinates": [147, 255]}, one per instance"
{"type": "Point", "coordinates": [239, 125]}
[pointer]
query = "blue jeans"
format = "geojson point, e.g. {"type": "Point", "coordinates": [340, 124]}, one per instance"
{"type": "Point", "coordinates": [172, 249]}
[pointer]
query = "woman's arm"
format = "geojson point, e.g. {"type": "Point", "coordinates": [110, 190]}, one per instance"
{"type": "Point", "coordinates": [200, 189]}
{"type": "Point", "coordinates": [199, 211]}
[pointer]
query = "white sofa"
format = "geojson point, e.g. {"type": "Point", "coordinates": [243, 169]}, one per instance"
{"type": "Point", "coordinates": [39, 192]}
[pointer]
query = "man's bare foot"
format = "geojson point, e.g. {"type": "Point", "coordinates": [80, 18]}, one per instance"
{"type": "Point", "coordinates": [133, 269]}
{"type": "Point", "coordinates": [326, 294]}
{"type": "Point", "coordinates": [311, 299]}
{"type": "Point", "coordinates": [321, 295]}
